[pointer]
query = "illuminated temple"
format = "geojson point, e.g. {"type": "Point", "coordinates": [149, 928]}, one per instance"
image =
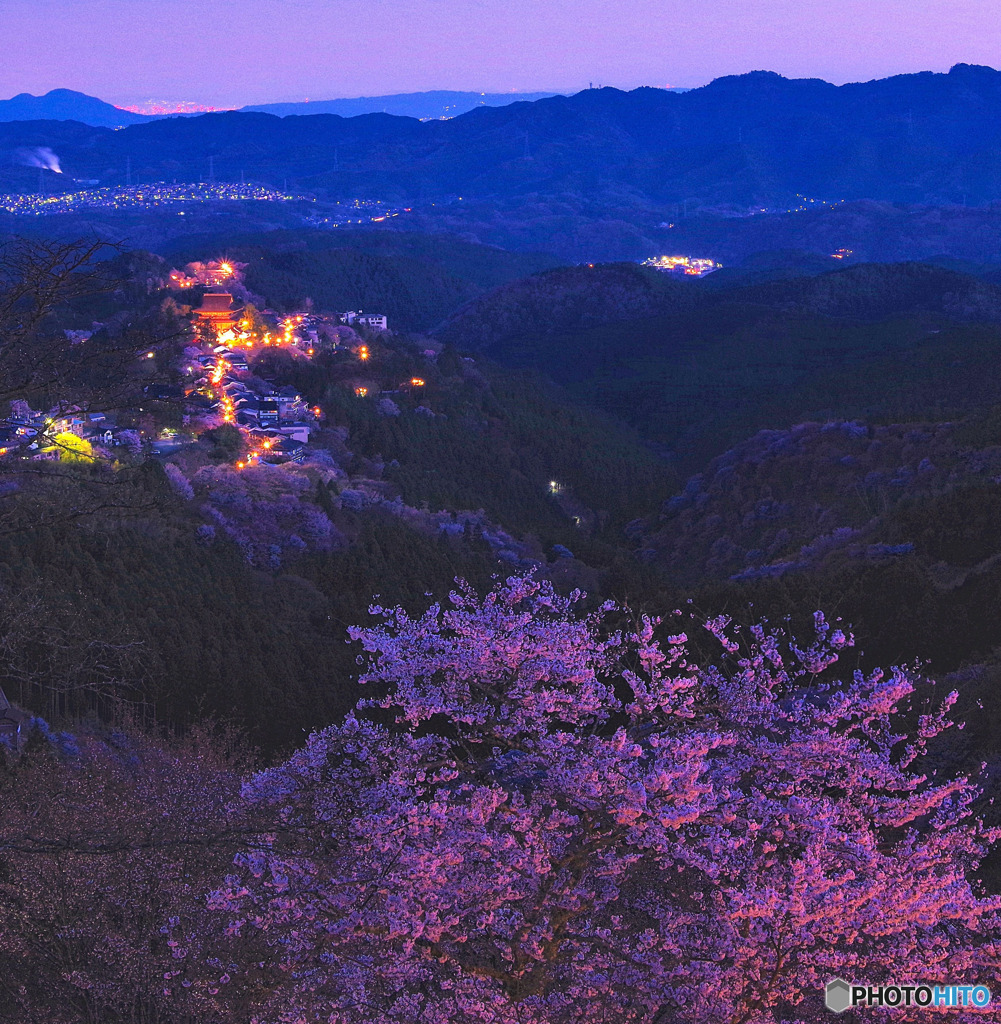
{"type": "Point", "coordinates": [218, 310]}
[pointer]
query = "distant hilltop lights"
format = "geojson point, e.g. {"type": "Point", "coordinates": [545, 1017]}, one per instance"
{"type": "Point", "coordinates": [805, 203]}
{"type": "Point", "coordinates": [687, 265]}
{"type": "Point", "coordinates": [161, 108]}
{"type": "Point", "coordinates": [142, 197]}
{"type": "Point", "coordinates": [357, 211]}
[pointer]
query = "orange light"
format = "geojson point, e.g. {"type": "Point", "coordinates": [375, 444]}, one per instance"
{"type": "Point", "coordinates": [240, 465]}
{"type": "Point", "coordinates": [363, 352]}
{"type": "Point", "coordinates": [416, 382]}
{"type": "Point", "coordinates": [361, 392]}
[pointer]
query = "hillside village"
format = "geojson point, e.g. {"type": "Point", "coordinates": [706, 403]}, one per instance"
{"type": "Point", "coordinates": [212, 385]}
{"type": "Point", "coordinates": [251, 456]}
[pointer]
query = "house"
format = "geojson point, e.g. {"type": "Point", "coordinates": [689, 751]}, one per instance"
{"type": "Point", "coordinates": [12, 724]}
{"type": "Point", "coordinates": [286, 450]}
{"type": "Point", "coordinates": [12, 440]}
{"type": "Point", "coordinates": [260, 436]}
{"type": "Point", "coordinates": [199, 403]}
{"type": "Point", "coordinates": [299, 431]}
{"type": "Point", "coordinates": [70, 421]}
{"type": "Point", "coordinates": [290, 404]}
{"type": "Point", "coordinates": [102, 436]}
{"type": "Point", "coordinates": [265, 413]}
{"type": "Point", "coordinates": [376, 321]}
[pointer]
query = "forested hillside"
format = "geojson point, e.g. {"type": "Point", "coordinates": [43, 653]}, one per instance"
{"type": "Point", "coordinates": [608, 541]}
{"type": "Point", "coordinates": [416, 280]}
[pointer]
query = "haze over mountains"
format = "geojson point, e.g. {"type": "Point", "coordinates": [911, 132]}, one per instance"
{"type": "Point", "coordinates": [422, 105]}
{"type": "Point", "coordinates": [68, 105]}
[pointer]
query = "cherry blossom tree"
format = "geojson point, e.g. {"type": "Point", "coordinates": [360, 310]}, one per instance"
{"type": "Point", "coordinates": [544, 816]}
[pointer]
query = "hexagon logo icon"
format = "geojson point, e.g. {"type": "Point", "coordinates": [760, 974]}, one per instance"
{"type": "Point", "coordinates": [837, 995]}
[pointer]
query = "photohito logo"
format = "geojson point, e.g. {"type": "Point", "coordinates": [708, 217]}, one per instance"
{"type": "Point", "coordinates": [841, 995]}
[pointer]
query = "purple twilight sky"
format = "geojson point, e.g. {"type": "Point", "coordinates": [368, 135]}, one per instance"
{"type": "Point", "coordinates": [232, 52]}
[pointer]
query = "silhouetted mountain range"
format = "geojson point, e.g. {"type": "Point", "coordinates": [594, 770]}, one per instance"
{"type": "Point", "coordinates": [423, 105]}
{"type": "Point", "coordinates": [739, 144]}
{"type": "Point", "coordinates": [67, 105]}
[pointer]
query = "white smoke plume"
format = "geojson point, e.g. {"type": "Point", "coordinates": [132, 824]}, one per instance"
{"type": "Point", "coordinates": [40, 156]}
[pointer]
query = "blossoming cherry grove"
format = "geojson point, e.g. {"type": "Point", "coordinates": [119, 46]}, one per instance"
{"type": "Point", "coordinates": [543, 817]}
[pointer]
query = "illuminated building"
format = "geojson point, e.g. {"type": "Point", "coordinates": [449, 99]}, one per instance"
{"type": "Point", "coordinates": [682, 265]}
{"type": "Point", "coordinates": [376, 321]}
{"type": "Point", "coordinates": [217, 310]}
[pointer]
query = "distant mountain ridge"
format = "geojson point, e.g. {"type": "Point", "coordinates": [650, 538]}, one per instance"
{"type": "Point", "coordinates": [67, 105]}
{"type": "Point", "coordinates": [423, 105]}
{"type": "Point", "coordinates": [736, 145]}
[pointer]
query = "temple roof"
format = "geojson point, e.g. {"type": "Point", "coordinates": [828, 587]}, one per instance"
{"type": "Point", "coordinates": [216, 302]}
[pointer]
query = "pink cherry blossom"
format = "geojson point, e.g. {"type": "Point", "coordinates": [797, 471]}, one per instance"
{"type": "Point", "coordinates": [541, 816]}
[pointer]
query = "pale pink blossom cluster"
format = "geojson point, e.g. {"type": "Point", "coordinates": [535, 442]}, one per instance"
{"type": "Point", "coordinates": [543, 816]}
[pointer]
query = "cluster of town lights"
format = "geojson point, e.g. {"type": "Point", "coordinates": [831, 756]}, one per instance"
{"type": "Point", "coordinates": [143, 197]}
{"type": "Point", "coordinates": [682, 265]}
{"type": "Point", "coordinates": [244, 334]}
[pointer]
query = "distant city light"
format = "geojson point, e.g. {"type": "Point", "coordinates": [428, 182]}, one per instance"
{"type": "Point", "coordinates": [165, 107]}
{"type": "Point", "coordinates": [688, 265]}
{"type": "Point", "coordinates": [140, 197]}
